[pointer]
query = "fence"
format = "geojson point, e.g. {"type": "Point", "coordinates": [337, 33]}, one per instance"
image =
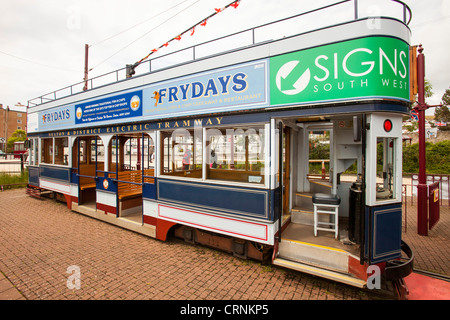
{"type": "Point", "coordinates": [442, 179]}
{"type": "Point", "coordinates": [12, 170]}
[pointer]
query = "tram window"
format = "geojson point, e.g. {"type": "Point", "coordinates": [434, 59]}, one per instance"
{"type": "Point", "coordinates": [319, 152]}
{"type": "Point", "coordinates": [62, 151]}
{"type": "Point", "coordinates": [236, 154]}
{"type": "Point", "coordinates": [31, 154]}
{"type": "Point", "coordinates": [149, 153]}
{"type": "Point", "coordinates": [385, 169]}
{"type": "Point", "coordinates": [47, 150]}
{"type": "Point", "coordinates": [36, 151]}
{"type": "Point", "coordinates": [100, 150]}
{"type": "Point", "coordinates": [182, 152]}
{"type": "Point", "coordinates": [83, 151]}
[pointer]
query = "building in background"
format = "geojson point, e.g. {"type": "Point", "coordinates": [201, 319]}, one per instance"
{"type": "Point", "coordinates": [10, 121]}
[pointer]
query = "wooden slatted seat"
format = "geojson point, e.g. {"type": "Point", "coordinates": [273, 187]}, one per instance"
{"type": "Point", "coordinates": [134, 189]}
{"type": "Point", "coordinates": [85, 182]}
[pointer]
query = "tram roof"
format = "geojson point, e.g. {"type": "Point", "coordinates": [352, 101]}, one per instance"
{"type": "Point", "coordinates": [166, 69]}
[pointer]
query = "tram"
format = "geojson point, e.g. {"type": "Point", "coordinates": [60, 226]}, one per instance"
{"type": "Point", "coordinates": [217, 150]}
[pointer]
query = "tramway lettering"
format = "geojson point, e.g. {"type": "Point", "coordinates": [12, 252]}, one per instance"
{"type": "Point", "coordinates": [189, 123]}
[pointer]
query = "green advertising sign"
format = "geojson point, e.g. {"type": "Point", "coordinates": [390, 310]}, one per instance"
{"type": "Point", "coordinates": [373, 67]}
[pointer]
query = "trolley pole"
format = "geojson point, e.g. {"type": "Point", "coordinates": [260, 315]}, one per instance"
{"type": "Point", "coordinates": [422, 194]}
{"type": "Point", "coordinates": [86, 69]}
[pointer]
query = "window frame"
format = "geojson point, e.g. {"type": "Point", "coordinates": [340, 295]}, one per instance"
{"type": "Point", "coordinates": [266, 158]}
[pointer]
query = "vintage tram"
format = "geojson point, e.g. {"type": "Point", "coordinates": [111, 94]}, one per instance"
{"type": "Point", "coordinates": [217, 149]}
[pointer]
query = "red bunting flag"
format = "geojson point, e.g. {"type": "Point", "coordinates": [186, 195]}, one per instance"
{"type": "Point", "coordinates": [235, 4]}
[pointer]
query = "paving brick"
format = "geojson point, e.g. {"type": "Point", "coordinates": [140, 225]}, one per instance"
{"type": "Point", "coordinates": [40, 239]}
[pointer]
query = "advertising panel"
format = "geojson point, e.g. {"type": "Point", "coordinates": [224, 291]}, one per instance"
{"type": "Point", "coordinates": [233, 88]}
{"type": "Point", "coordinates": [56, 118]}
{"type": "Point", "coordinates": [127, 105]}
{"type": "Point", "coordinates": [372, 67]}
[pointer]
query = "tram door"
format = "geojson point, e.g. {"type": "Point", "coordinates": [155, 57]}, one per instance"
{"type": "Point", "coordinates": [88, 155]}
{"type": "Point", "coordinates": [286, 171]}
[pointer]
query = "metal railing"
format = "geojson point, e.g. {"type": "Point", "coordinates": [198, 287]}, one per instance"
{"type": "Point", "coordinates": [444, 186]}
{"type": "Point", "coordinates": [335, 13]}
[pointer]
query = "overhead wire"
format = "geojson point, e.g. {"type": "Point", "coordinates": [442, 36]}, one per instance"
{"type": "Point", "coordinates": [137, 24]}
{"type": "Point", "coordinates": [37, 63]}
{"type": "Point", "coordinates": [123, 48]}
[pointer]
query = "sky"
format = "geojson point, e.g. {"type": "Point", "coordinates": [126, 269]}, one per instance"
{"type": "Point", "coordinates": [42, 43]}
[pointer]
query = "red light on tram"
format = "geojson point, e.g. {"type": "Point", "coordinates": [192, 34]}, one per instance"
{"type": "Point", "coordinates": [387, 125]}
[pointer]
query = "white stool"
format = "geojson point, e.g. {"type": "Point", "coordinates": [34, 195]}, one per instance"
{"type": "Point", "coordinates": [328, 204]}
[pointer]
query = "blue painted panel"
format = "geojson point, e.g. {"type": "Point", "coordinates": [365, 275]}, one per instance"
{"type": "Point", "coordinates": [386, 232]}
{"type": "Point", "coordinates": [33, 176]}
{"type": "Point", "coordinates": [233, 200]}
{"type": "Point", "coordinates": [57, 173]}
{"type": "Point", "coordinates": [74, 177]}
{"type": "Point", "coordinates": [149, 191]}
{"type": "Point", "coordinates": [106, 184]}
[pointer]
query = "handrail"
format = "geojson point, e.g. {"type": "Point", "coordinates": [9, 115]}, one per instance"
{"type": "Point", "coordinates": [52, 96]}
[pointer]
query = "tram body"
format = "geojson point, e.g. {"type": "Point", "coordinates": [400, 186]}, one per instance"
{"type": "Point", "coordinates": [217, 150]}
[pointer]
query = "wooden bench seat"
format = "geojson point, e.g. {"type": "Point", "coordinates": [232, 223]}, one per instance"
{"type": "Point", "coordinates": [130, 190]}
{"type": "Point", "coordinates": [87, 186]}
{"type": "Point", "coordinates": [86, 182]}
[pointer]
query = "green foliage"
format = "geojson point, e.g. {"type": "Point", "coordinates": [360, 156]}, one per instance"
{"type": "Point", "coordinates": [437, 158]}
{"type": "Point", "coordinates": [18, 135]}
{"type": "Point", "coordinates": [412, 127]}
{"type": "Point", "coordinates": [442, 114]}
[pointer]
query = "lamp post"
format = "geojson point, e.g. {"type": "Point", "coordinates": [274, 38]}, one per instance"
{"type": "Point", "coordinates": [422, 188]}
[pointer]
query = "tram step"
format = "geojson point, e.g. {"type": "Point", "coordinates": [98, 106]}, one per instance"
{"type": "Point", "coordinates": [316, 271]}
{"type": "Point", "coordinates": [303, 200]}
{"type": "Point", "coordinates": [320, 255]}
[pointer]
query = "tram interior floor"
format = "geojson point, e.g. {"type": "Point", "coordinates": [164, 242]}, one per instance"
{"type": "Point", "coordinates": [135, 217]}
{"type": "Point", "coordinates": [305, 234]}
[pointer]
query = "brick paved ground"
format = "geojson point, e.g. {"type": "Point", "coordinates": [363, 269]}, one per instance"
{"type": "Point", "coordinates": [39, 240]}
{"type": "Point", "coordinates": [432, 252]}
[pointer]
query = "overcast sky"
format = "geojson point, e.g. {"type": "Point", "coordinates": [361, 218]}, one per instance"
{"type": "Point", "coordinates": [42, 42]}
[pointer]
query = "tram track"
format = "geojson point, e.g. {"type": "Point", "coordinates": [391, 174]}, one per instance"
{"type": "Point", "coordinates": [432, 274]}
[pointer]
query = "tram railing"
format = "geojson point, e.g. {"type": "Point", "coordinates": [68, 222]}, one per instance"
{"type": "Point", "coordinates": [308, 21]}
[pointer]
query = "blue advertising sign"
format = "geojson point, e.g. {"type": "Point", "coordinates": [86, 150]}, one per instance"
{"type": "Point", "coordinates": [238, 87]}
{"type": "Point", "coordinates": [121, 106]}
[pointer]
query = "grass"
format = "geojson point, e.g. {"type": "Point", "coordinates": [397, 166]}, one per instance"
{"type": "Point", "coordinates": [13, 180]}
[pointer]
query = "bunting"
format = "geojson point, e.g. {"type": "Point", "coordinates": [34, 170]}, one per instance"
{"type": "Point", "coordinates": [202, 23]}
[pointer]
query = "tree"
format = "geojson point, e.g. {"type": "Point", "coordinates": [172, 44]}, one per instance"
{"type": "Point", "coordinates": [18, 135]}
{"type": "Point", "coordinates": [442, 114]}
